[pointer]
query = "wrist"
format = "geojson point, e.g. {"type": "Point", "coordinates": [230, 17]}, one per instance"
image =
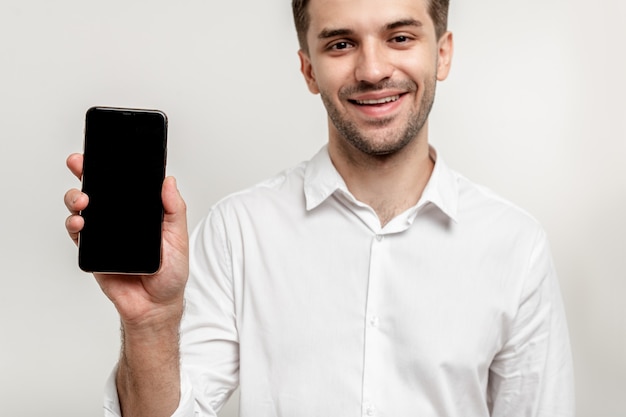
{"type": "Point", "coordinates": [160, 323]}
{"type": "Point", "coordinates": [153, 317]}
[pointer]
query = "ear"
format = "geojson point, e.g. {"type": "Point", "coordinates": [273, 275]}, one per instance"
{"type": "Point", "coordinates": [307, 71]}
{"type": "Point", "coordinates": [445, 47]}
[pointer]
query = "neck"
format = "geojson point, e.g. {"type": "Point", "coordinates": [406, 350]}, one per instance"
{"type": "Point", "coordinates": [390, 184]}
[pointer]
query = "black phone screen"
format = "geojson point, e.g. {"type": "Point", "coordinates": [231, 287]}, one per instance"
{"type": "Point", "coordinates": [123, 172]}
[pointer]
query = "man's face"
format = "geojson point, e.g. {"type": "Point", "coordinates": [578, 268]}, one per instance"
{"type": "Point", "coordinates": [375, 64]}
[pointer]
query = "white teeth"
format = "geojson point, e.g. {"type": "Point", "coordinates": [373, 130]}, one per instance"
{"type": "Point", "coordinates": [379, 101]}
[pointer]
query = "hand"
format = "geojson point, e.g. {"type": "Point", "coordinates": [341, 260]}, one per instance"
{"type": "Point", "coordinates": [151, 299]}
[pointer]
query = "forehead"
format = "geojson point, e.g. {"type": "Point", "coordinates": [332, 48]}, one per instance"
{"type": "Point", "coordinates": [356, 14]}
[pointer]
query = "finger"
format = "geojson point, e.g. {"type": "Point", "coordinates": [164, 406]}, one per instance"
{"type": "Point", "coordinates": [75, 163]}
{"type": "Point", "coordinates": [75, 200]}
{"type": "Point", "coordinates": [74, 224]}
{"type": "Point", "coordinates": [174, 207]}
{"type": "Point", "coordinates": [173, 202]}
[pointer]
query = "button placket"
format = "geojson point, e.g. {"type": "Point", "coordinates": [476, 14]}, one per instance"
{"type": "Point", "coordinates": [369, 410]}
{"type": "Point", "coordinates": [374, 344]}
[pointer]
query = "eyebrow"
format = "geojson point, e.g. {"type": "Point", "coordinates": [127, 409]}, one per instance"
{"type": "Point", "coordinates": [331, 33]}
{"type": "Point", "coordinates": [403, 23]}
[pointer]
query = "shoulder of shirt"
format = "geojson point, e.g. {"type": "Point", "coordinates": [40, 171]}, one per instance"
{"type": "Point", "coordinates": [472, 193]}
{"type": "Point", "coordinates": [289, 183]}
{"type": "Point", "coordinates": [285, 180]}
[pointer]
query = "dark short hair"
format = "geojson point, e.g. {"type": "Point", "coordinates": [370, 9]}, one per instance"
{"type": "Point", "coordinates": [438, 10]}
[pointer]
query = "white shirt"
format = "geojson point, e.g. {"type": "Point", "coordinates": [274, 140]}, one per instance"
{"type": "Point", "coordinates": [297, 295]}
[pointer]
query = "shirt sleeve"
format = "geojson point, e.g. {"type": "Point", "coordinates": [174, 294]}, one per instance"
{"type": "Point", "coordinates": [209, 335]}
{"type": "Point", "coordinates": [111, 400]}
{"type": "Point", "coordinates": [186, 407]}
{"type": "Point", "coordinates": [532, 375]}
{"type": "Point", "coordinates": [209, 346]}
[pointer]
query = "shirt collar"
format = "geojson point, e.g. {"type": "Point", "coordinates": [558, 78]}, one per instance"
{"type": "Point", "coordinates": [321, 180]}
{"type": "Point", "coordinates": [442, 188]}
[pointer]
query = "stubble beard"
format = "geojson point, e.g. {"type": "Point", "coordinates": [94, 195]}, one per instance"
{"type": "Point", "coordinates": [394, 140]}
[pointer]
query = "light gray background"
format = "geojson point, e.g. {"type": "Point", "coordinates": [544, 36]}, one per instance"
{"type": "Point", "coordinates": [534, 108]}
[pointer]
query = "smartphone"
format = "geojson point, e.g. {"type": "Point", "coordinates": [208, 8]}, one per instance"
{"type": "Point", "coordinates": [125, 154]}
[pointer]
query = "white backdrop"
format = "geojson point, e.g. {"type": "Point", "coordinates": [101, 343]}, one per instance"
{"type": "Point", "coordinates": [534, 108]}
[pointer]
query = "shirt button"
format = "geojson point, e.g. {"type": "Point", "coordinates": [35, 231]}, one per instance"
{"type": "Point", "coordinates": [379, 237]}
{"type": "Point", "coordinates": [370, 410]}
{"type": "Point", "coordinates": [374, 321]}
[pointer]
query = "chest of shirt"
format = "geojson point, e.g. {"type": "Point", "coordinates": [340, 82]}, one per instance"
{"type": "Point", "coordinates": [326, 284]}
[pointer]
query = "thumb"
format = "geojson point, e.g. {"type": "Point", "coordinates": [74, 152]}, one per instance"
{"type": "Point", "coordinates": [173, 203]}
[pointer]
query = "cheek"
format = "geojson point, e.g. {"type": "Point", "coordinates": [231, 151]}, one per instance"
{"type": "Point", "coordinates": [334, 74]}
{"type": "Point", "coordinates": [423, 74]}
{"type": "Point", "coordinates": [423, 64]}
{"type": "Point", "coordinates": [323, 85]}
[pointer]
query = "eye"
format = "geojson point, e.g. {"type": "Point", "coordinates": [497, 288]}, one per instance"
{"type": "Point", "coordinates": [400, 39]}
{"type": "Point", "coordinates": [339, 46]}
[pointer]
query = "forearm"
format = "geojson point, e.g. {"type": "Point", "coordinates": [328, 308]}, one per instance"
{"type": "Point", "coordinates": [148, 376]}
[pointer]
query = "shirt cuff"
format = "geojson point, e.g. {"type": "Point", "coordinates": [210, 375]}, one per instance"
{"type": "Point", "coordinates": [186, 407]}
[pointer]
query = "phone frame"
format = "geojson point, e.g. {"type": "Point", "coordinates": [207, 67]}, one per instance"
{"type": "Point", "coordinates": [126, 258]}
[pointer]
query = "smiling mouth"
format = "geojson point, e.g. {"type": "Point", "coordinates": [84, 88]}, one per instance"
{"type": "Point", "coordinates": [379, 101]}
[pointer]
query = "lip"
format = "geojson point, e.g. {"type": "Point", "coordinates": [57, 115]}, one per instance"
{"type": "Point", "coordinates": [377, 105]}
{"type": "Point", "coordinates": [376, 101]}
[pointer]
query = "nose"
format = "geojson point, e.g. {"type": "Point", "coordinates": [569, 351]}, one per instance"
{"type": "Point", "coordinates": [373, 64]}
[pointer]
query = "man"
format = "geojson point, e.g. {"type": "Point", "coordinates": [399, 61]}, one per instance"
{"type": "Point", "coordinates": [371, 280]}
